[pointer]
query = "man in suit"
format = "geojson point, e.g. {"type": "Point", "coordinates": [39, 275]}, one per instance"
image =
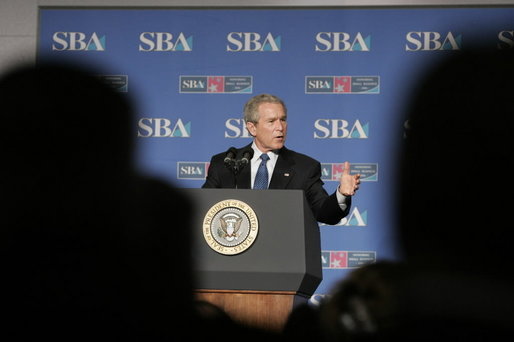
{"type": "Point", "coordinates": [265, 116]}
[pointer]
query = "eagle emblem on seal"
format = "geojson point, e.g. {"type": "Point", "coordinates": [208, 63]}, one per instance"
{"type": "Point", "coordinates": [230, 227]}
{"type": "Point", "coordinates": [230, 224]}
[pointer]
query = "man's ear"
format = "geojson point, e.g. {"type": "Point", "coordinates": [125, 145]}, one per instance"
{"type": "Point", "coordinates": [250, 127]}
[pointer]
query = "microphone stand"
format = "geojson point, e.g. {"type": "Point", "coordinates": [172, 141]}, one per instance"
{"type": "Point", "coordinates": [236, 165]}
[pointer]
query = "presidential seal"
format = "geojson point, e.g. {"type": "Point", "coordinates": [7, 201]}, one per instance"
{"type": "Point", "coordinates": [230, 227]}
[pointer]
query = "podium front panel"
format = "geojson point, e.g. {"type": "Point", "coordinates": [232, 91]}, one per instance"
{"type": "Point", "coordinates": [285, 255]}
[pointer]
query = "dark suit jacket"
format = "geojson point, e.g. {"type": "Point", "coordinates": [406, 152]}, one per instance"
{"type": "Point", "coordinates": [293, 170]}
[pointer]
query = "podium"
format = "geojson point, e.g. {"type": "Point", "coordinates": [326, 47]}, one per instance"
{"type": "Point", "coordinates": [260, 285]}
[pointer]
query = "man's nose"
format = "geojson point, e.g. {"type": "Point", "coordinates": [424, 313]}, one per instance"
{"type": "Point", "coordinates": [280, 125]}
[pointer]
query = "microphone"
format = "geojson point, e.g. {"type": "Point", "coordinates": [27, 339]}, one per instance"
{"type": "Point", "coordinates": [230, 157]}
{"type": "Point", "coordinates": [247, 156]}
{"type": "Point", "coordinates": [241, 163]}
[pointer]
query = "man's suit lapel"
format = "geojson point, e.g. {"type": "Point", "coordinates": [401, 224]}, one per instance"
{"type": "Point", "coordinates": [243, 179]}
{"type": "Point", "coordinates": [283, 172]}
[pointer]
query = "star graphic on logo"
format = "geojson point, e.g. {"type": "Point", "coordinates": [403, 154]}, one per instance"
{"type": "Point", "coordinates": [337, 175]}
{"type": "Point", "coordinates": [335, 263]}
{"type": "Point", "coordinates": [342, 84]}
{"type": "Point", "coordinates": [339, 88]}
{"type": "Point", "coordinates": [338, 260]}
{"type": "Point", "coordinates": [213, 88]}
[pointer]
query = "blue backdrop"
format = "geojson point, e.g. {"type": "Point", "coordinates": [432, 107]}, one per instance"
{"type": "Point", "coordinates": [345, 74]}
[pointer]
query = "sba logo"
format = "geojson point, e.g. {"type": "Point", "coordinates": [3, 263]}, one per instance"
{"type": "Point", "coordinates": [337, 128]}
{"type": "Point", "coordinates": [355, 219]}
{"type": "Point", "coordinates": [252, 42]}
{"type": "Point", "coordinates": [506, 39]}
{"type": "Point", "coordinates": [193, 84]}
{"type": "Point", "coordinates": [163, 128]}
{"type": "Point", "coordinates": [342, 41]}
{"type": "Point", "coordinates": [432, 41]}
{"type": "Point", "coordinates": [164, 41]}
{"type": "Point", "coordinates": [236, 128]}
{"type": "Point", "coordinates": [192, 170]}
{"type": "Point", "coordinates": [77, 41]}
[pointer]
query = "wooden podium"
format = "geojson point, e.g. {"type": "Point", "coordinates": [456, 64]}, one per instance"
{"type": "Point", "coordinates": [282, 268]}
{"type": "Point", "coordinates": [266, 310]}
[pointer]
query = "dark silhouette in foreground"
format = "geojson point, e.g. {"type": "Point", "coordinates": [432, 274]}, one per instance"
{"type": "Point", "coordinates": [89, 248]}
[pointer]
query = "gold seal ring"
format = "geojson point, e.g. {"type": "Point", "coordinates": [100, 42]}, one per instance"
{"type": "Point", "coordinates": [230, 227]}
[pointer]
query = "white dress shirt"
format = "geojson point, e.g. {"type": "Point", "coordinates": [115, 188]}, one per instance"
{"type": "Point", "coordinates": [256, 161]}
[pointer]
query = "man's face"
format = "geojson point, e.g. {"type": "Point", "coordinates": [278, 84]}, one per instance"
{"type": "Point", "coordinates": [270, 131]}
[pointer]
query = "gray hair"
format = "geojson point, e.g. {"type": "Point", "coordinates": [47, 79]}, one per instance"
{"type": "Point", "coordinates": [251, 108]}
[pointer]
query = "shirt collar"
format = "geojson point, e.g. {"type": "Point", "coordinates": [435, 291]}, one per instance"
{"type": "Point", "coordinates": [273, 155]}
